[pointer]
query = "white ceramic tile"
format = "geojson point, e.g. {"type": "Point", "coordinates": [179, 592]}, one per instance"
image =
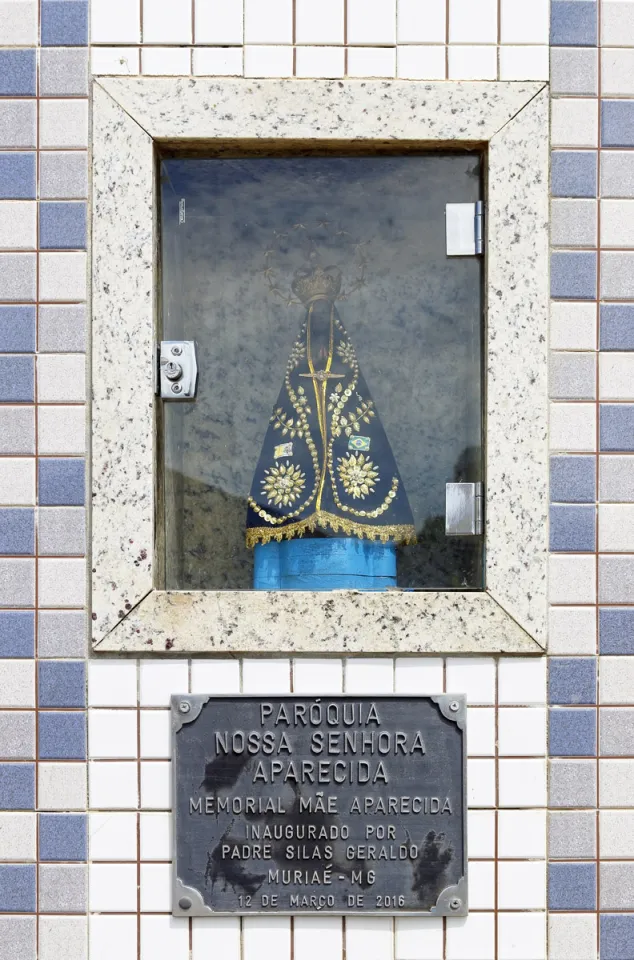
{"type": "Point", "coordinates": [471, 938]}
{"type": "Point", "coordinates": [62, 786]}
{"type": "Point", "coordinates": [481, 885]}
{"type": "Point", "coordinates": [521, 833]}
{"type": "Point", "coordinates": [112, 887]}
{"type": "Point", "coordinates": [473, 63]}
{"type": "Point", "coordinates": [418, 22]}
{"type": "Point", "coordinates": [616, 680]}
{"type": "Point", "coordinates": [268, 61]}
{"type": "Point", "coordinates": [61, 430]}
{"type": "Point", "coordinates": [617, 72]}
{"type": "Point", "coordinates": [481, 731]}
{"type": "Point", "coordinates": [524, 23]}
{"type": "Point", "coordinates": [573, 326]}
{"type": "Point", "coordinates": [369, 675]}
{"type": "Point", "coordinates": [419, 675]}
{"type": "Point", "coordinates": [481, 833]}
{"type": "Point", "coordinates": [522, 936]}
{"type": "Point", "coordinates": [266, 937]}
{"type": "Point", "coordinates": [159, 679]}
{"type": "Point", "coordinates": [418, 938]}
{"type": "Point", "coordinates": [421, 62]}
{"type": "Point", "coordinates": [63, 123]}
{"type": "Point", "coordinates": [166, 61]}
{"type": "Point", "coordinates": [317, 676]}
{"type": "Point", "coordinates": [522, 783]}
{"type": "Point", "coordinates": [266, 676]}
{"type": "Point", "coordinates": [473, 21]}
{"type": "Point", "coordinates": [219, 21]}
{"type": "Point", "coordinates": [156, 836]}
{"type": "Point", "coordinates": [113, 936]}
{"type": "Point", "coordinates": [369, 937]}
{"type": "Point", "coordinates": [216, 936]}
{"type": "Point", "coordinates": [319, 23]}
{"type": "Point", "coordinates": [17, 481]}
{"type": "Point", "coordinates": [317, 937]}
{"type": "Point", "coordinates": [115, 21]}
{"type": "Point", "coordinates": [616, 376]}
{"type": "Point", "coordinates": [156, 785]}
{"type": "Point", "coordinates": [62, 276]}
{"type": "Point", "coordinates": [218, 61]}
{"type": "Point", "coordinates": [319, 62]}
{"type": "Point", "coordinates": [617, 23]}
{"type": "Point", "coordinates": [524, 63]}
{"type": "Point", "coordinates": [156, 887]}
{"type": "Point", "coordinates": [372, 21]}
{"type": "Point", "coordinates": [62, 937]}
{"type": "Point", "coordinates": [522, 885]}
{"type": "Point", "coordinates": [18, 230]}
{"type": "Point", "coordinates": [371, 61]}
{"type": "Point", "coordinates": [112, 836]}
{"type": "Point", "coordinates": [18, 836]}
{"type": "Point", "coordinates": [112, 734]}
{"type": "Point", "coordinates": [268, 21]}
{"type": "Point", "coordinates": [215, 676]}
{"type": "Point", "coordinates": [112, 683]}
{"type": "Point", "coordinates": [616, 527]}
{"type": "Point", "coordinates": [166, 22]}
{"type": "Point", "coordinates": [572, 630]}
{"type": "Point", "coordinates": [617, 221]}
{"type": "Point", "coordinates": [572, 579]}
{"type": "Point", "coordinates": [579, 929]}
{"type": "Point", "coordinates": [573, 427]}
{"type": "Point", "coordinates": [473, 676]}
{"type": "Point", "coordinates": [61, 583]}
{"type": "Point", "coordinates": [156, 734]}
{"type": "Point", "coordinates": [61, 378]}
{"type": "Point", "coordinates": [481, 783]}
{"type": "Point", "coordinates": [574, 122]}
{"type": "Point", "coordinates": [115, 61]}
{"type": "Point", "coordinates": [164, 938]}
{"type": "Point", "coordinates": [17, 683]}
{"type": "Point", "coordinates": [113, 786]}
{"type": "Point", "coordinates": [521, 680]}
{"type": "Point", "coordinates": [18, 23]}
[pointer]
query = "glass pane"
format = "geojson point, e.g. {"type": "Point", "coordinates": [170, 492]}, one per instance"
{"type": "Point", "coordinates": [340, 371]}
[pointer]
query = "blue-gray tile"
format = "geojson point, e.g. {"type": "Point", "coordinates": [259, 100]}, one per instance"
{"type": "Point", "coordinates": [572, 886]}
{"type": "Point", "coordinates": [617, 121]}
{"type": "Point", "coordinates": [573, 479]}
{"type": "Point", "coordinates": [616, 631]}
{"type": "Point", "coordinates": [574, 173]}
{"type": "Point", "coordinates": [572, 680]}
{"type": "Point", "coordinates": [573, 276]}
{"type": "Point", "coordinates": [18, 73]}
{"type": "Point", "coordinates": [63, 225]}
{"type": "Point", "coordinates": [616, 937]}
{"type": "Point", "coordinates": [17, 888]}
{"type": "Point", "coordinates": [17, 379]}
{"type": "Point", "coordinates": [616, 426]}
{"type": "Point", "coordinates": [17, 326]}
{"type": "Point", "coordinates": [616, 326]}
{"type": "Point", "coordinates": [572, 529]}
{"type": "Point", "coordinates": [572, 733]}
{"type": "Point", "coordinates": [61, 684]}
{"type": "Point", "coordinates": [62, 736]}
{"type": "Point", "coordinates": [17, 176]}
{"type": "Point", "coordinates": [62, 836]}
{"type": "Point", "coordinates": [573, 23]}
{"type": "Point", "coordinates": [64, 23]}
{"type": "Point", "coordinates": [17, 633]}
{"type": "Point", "coordinates": [17, 531]}
{"type": "Point", "coordinates": [17, 786]}
{"type": "Point", "coordinates": [61, 481]}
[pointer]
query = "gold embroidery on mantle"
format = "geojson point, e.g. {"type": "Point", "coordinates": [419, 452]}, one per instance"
{"type": "Point", "coordinates": [399, 533]}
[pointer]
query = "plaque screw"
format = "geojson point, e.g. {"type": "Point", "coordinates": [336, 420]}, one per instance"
{"type": "Point", "coordinates": [454, 904]}
{"type": "Point", "coordinates": [184, 903]}
{"type": "Point", "coordinates": [176, 388]}
{"type": "Point", "coordinates": [184, 707]}
{"type": "Point", "coordinates": [454, 706]}
{"type": "Point", "coordinates": [176, 351]}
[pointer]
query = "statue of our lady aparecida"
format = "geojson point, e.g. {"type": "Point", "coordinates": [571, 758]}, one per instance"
{"type": "Point", "coordinates": [327, 504]}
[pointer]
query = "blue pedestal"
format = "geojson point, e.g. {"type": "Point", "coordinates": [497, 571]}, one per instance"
{"type": "Point", "coordinates": [333, 563]}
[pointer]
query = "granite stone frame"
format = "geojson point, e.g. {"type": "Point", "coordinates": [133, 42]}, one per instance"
{"type": "Point", "coordinates": [130, 610]}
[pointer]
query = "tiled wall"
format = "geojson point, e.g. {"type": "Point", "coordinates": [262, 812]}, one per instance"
{"type": "Point", "coordinates": [43, 777]}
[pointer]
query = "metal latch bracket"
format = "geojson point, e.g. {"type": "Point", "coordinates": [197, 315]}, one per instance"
{"type": "Point", "coordinates": [465, 229]}
{"type": "Point", "coordinates": [177, 370]}
{"type": "Point", "coordinates": [464, 509]}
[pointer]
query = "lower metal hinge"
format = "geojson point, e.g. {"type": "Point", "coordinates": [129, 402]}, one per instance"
{"type": "Point", "coordinates": [176, 374]}
{"type": "Point", "coordinates": [464, 509]}
{"type": "Point", "coordinates": [465, 229]}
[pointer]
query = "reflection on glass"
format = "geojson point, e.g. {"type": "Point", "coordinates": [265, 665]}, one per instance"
{"type": "Point", "coordinates": [339, 352]}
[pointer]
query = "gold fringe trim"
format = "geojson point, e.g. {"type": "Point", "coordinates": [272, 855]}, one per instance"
{"type": "Point", "coordinates": [399, 533]}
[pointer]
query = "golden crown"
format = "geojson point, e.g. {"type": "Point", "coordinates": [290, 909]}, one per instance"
{"type": "Point", "coordinates": [316, 283]}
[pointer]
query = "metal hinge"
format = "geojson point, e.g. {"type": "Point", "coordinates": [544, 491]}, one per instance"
{"type": "Point", "coordinates": [465, 229]}
{"type": "Point", "coordinates": [177, 371]}
{"type": "Point", "coordinates": [464, 513]}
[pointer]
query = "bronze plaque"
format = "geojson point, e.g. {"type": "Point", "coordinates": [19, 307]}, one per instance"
{"type": "Point", "coordinates": [331, 804]}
